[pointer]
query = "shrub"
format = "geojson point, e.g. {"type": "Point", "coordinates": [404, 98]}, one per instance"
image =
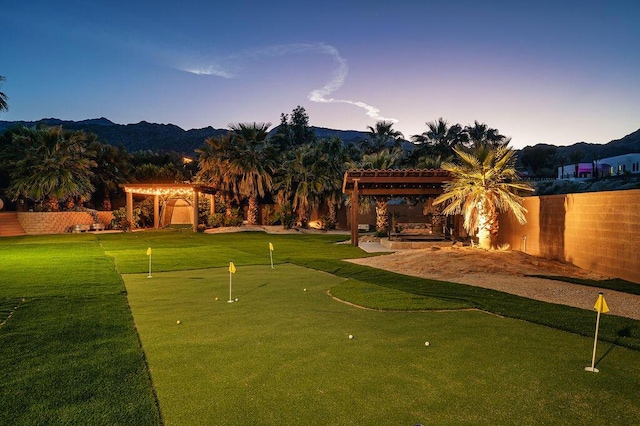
{"type": "Point", "coordinates": [120, 219]}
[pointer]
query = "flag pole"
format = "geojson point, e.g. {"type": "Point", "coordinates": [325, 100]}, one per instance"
{"type": "Point", "coordinates": [595, 344]}
{"type": "Point", "coordinates": [149, 253]}
{"type": "Point", "coordinates": [232, 270]}
{"type": "Point", "coordinates": [600, 306]}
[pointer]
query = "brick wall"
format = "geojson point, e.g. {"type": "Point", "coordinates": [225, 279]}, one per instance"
{"type": "Point", "coordinates": [39, 223]}
{"type": "Point", "coordinates": [597, 231]}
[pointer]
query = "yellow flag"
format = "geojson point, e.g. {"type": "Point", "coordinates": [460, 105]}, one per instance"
{"type": "Point", "coordinates": [232, 268]}
{"type": "Point", "coordinates": [601, 304]}
{"type": "Point", "coordinates": [270, 247]}
{"type": "Point", "coordinates": [149, 251]}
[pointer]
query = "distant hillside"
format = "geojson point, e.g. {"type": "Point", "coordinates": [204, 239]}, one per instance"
{"type": "Point", "coordinates": [158, 137]}
{"type": "Point", "coordinates": [626, 145]}
{"type": "Point", "coordinates": [134, 137]}
{"type": "Point", "coordinates": [169, 137]}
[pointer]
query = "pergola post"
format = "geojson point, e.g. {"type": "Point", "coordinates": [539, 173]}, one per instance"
{"type": "Point", "coordinates": [196, 214]}
{"type": "Point", "coordinates": [355, 213]}
{"type": "Point", "coordinates": [212, 204]}
{"type": "Point", "coordinates": [156, 211]}
{"type": "Point", "coordinates": [130, 207]}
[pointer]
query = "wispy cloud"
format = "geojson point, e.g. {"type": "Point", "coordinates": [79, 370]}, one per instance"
{"type": "Point", "coordinates": [227, 68]}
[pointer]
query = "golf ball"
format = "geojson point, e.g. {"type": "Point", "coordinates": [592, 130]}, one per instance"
{"type": "Point", "coordinates": [236, 299]}
{"type": "Point", "coordinates": [351, 336]}
{"type": "Point", "coordinates": [426, 343]}
{"type": "Point", "coordinates": [305, 289]}
{"type": "Point", "coordinates": [178, 322]}
{"type": "Point", "coordinates": [216, 299]}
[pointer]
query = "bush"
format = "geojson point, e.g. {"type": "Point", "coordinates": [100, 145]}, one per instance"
{"type": "Point", "coordinates": [120, 219]}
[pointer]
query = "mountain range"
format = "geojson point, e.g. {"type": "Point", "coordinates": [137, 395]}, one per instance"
{"type": "Point", "coordinates": [169, 137]}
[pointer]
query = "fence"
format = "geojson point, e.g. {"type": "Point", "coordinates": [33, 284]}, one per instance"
{"type": "Point", "coordinates": [597, 231]}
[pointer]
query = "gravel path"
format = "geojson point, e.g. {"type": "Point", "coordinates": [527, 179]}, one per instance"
{"type": "Point", "coordinates": [505, 271]}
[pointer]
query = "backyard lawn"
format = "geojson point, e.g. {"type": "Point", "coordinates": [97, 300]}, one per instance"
{"type": "Point", "coordinates": [69, 351]}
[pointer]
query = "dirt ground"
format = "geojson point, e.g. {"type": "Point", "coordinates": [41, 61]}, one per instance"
{"type": "Point", "coordinates": [507, 271]}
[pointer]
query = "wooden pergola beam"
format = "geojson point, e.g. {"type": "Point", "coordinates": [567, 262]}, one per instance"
{"type": "Point", "coordinates": [391, 183]}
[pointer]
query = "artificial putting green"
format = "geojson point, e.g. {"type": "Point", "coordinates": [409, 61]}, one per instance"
{"type": "Point", "coordinates": [281, 355]}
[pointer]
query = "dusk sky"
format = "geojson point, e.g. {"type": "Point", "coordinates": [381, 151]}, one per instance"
{"type": "Point", "coordinates": [555, 72]}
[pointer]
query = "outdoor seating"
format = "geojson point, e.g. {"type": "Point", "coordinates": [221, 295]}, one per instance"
{"type": "Point", "coordinates": [414, 231]}
{"type": "Point", "coordinates": [76, 229]}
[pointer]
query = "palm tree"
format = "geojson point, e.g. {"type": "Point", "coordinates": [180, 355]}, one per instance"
{"type": "Point", "coordinates": [213, 163]}
{"type": "Point", "coordinates": [332, 164]}
{"type": "Point", "coordinates": [382, 160]}
{"type": "Point", "coordinates": [481, 134]}
{"type": "Point", "coordinates": [484, 183]}
{"type": "Point", "coordinates": [4, 106]}
{"type": "Point", "coordinates": [575, 157]}
{"type": "Point", "coordinates": [251, 162]}
{"type": "Point", "coordinates": [300, 181]}
{"type": "Point", "coordinates": [113, 166]}
{"type": "Point", "coordinates": [48, 164]}
{"type": "Point", "coordinates": [382, 136]}
{"type": "Point", "coordinates": [439, 138]}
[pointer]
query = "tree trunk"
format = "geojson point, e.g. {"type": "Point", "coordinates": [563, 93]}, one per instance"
{"type": "Point", "coordinates": [488, 227]}
{"type": "Point", "coordinates": [382, 216]}
{"type": "Point", "coordinates": [333, 213]}
{"type": "Point", "coordinates": [106, 200]}
{"type": "Point", "coordinates": [252, 211]}
{"type": "Point", "coordinates": [227, 207]}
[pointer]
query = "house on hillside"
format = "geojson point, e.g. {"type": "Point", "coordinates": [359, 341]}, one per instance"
{"type": "Point", "coordinates": [622, 164]}
{"type": "Point", "coordinates": [611, 166]}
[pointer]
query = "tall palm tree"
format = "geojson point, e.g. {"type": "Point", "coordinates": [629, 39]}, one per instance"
{"type": "Point", "coordinates": [113, 165]}
{"type": "Point", "coordinates": [439, 138]}
{"type": "Point", "coordinates": [484, 184]}
{"type": "Point", "coordinates": [48, 164]}
{"type": "Point", "coordinates": [301, 181]}
{"type": "Point", "coordinates": [251, 162]}
{"type": "Point", "coordinates": [4, 106]}
{"type": "Point", "coordinates": [382, 136]}
{"type": "Point", "coordinates": [332, 164]}
{"type": "Point", "coordinates": [481, 134]}
{"type": "Point", "coordinates": [213, 164]}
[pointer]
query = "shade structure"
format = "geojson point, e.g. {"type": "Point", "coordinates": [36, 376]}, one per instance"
{"type": "Point", "coordinates": [176, 190]}
{"type": "Point", "coordinates": [391, 183]}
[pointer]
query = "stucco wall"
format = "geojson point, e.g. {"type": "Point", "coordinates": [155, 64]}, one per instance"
{"type": "Point", "coordinates": [597, 231]}
{"type": "Point", "coordinates": [39, 223]}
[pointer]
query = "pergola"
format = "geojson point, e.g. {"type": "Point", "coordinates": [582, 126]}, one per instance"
{"type": "Point", "coordinates": [171, 190]}
{"type": "Point", "coordinates": [392, 183]}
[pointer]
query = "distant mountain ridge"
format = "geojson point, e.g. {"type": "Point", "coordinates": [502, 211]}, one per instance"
{"type": "Point", "coordinates": [169, 137]}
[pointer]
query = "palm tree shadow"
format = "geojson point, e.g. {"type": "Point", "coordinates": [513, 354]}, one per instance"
{"type": "Point", "coordinates": [253, 289]}
{"type": "Point", "coordinates": [625, 332]}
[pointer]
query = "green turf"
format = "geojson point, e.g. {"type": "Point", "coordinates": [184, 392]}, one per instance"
{"type": "Point", "coordinates": [70, 354]}
{"type": "Point", "coordinates": [281, 355]}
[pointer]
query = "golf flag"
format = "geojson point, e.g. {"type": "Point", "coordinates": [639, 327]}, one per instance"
{"type": "Point", "coordinates": [149, 254]}
{"type": "Point", "coordinates": [232, 270]}
{"type": "Point", "coordinates": [600, 307]}
{"type": "Point", "coordinates": [601, 304]}
{"type": "Point", "coordinates": [271, 254]}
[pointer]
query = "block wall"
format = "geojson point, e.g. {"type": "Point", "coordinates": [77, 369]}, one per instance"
{"type": "Point", "coordinates": [597, 231]}
{"type": "Point", "coordinates": [39, 223]}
